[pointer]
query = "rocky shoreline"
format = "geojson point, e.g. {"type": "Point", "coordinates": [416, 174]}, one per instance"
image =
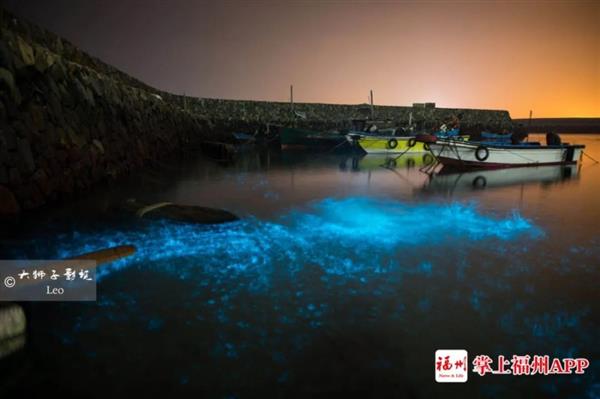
{"type": "Point", "coordinates": [69, 121]}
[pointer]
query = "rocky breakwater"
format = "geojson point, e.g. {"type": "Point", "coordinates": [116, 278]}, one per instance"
{"type": "Point", "coordinates": [68, 121]}
{"type": "Point", "coordinates": [250, 115]}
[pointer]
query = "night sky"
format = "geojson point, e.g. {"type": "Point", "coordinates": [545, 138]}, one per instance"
{"type": "Point", "coordinates": [518, 56]}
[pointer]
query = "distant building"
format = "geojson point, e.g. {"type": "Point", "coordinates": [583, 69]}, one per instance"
{"type": "Point", "coordinates": [423, 105]}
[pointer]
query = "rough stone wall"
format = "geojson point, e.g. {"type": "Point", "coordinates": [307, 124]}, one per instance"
{"type": "Point", "coordinates": [336, 115]}
{"type": "Point", "coordinates": [68, 121]}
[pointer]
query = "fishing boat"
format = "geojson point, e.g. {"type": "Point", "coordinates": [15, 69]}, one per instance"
{"type": "Point", "coordinates": [297, 138]}
{"type": "Point", "coordinates": [468, 154]}
{"type": "Point", "coordinates": [378, 144]}
{"type": "Point", "coordinates": [375, 144]}
{"type": "Point", "coordinates": [496, 137]}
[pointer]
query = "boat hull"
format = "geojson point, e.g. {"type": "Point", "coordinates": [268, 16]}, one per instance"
{"type": "Point", "coordinates": [294, 138]}
{"type": "Point", "coordinates": [387, 144]}
{"type": "Point", "coordinates": [481, 155]}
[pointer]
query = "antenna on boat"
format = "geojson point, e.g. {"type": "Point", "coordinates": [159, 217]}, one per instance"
{"type": "Point", "coordinates": [292, 97]}
{"type": "Point", "coordinates": [371, 100]}
{"type": "Point", "coordinates": [530, 115]}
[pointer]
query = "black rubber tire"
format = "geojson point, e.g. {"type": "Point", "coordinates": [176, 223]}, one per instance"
{"type": "Point", "coordinates": [411, 142]}
{"type": "Point", "coordinates": [428, 159]}
{"type": "Point", "coordinates": [410, 163]}
{"type": "Point", "coordinates": [478, 151]}
{"type": "Point", "coordinates": [479, 182]}
{"type": "Point", "coordinates": [392, 143]}
{"type": "Point", "coordinates": [426, 146]}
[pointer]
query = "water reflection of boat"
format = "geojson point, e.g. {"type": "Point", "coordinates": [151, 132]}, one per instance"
{"type": "Point", "coordinates": [376, 161]}
{"type": "Point", "coordinates": [446, 181]}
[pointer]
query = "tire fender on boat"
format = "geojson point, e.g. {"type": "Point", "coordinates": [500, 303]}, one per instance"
{"type": "Point", "coordinates": [482, 153]}
{"type": "Point", "coordinates": [412, 142]}
{"type": "Point", "coordinates": [428, 159]}
{"type": "Point", "coordinates": [392, 143]}
{"type": "Point", "coordinates": [479, 182]}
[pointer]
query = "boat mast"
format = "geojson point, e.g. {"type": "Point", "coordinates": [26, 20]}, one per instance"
{"type": "Point", "coordinates": [371, 99]}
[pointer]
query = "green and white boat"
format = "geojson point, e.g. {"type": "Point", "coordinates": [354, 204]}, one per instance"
{"type": "Point", "coordinates": [375, 144]}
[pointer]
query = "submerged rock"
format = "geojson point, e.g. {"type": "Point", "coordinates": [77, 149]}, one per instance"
{"type": "Point", "coordinates": [180, 213]}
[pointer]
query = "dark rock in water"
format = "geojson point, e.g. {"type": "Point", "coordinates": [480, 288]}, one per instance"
{"type": "Point", "coordinates": [180, 213]}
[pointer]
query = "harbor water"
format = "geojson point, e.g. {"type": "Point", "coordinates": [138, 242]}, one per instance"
{"type": "Point", "coordinates": [344, 274]}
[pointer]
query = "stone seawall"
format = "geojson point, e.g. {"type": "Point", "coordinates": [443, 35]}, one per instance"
{"type": "Point", "coordinates": [69, 121]}
{"type": "Point", "coordinates": [332, 116]}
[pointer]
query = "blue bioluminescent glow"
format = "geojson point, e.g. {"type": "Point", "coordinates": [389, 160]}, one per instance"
{"type": "Point", "coordinates": [341, 236]}
{"type": "Point", "coordinates": [335, 279]}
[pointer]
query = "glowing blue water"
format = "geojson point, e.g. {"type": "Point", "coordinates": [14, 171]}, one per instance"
{"type": "Point", "coordinates": [274, 287]}
{"type": "Point", "coordinates": [342, 236]}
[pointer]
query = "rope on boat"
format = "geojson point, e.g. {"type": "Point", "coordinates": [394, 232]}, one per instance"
{"type": "Point", "coordinates": [402, 153]}
{"type": "Point", "coordinates": [336, 146]}
{"type": "Point", "coordinates": [524, 157]}
{"type": "Point", "coordinates": [590, 157]}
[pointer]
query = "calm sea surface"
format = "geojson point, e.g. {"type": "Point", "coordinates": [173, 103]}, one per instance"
{"type": "Point", "coordinates": [343, 275]}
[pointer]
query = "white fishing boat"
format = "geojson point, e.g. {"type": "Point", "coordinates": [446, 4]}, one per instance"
{"type": "Point", "coordinates": [469, 154]}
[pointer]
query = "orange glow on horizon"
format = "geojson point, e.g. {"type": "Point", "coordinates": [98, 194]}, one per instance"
{"type": "Point", "coordinates": [540, 56]}
{"type": "Point", "coordinates": [517, 55]}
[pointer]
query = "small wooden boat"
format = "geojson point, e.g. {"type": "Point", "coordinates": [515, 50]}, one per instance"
{"type": "Point", "coordinates": [466, 154]}
{"type": "Point", "coordinates": [107, 255]}
{"type": "Point", "coordinates": [376, 144]}
{"type": "Point", "coordinates": [419, 143]}
{"type": "Point", "coordinates": [296, 138]}
{"type": "Point", "coordinates": [496, 137]}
